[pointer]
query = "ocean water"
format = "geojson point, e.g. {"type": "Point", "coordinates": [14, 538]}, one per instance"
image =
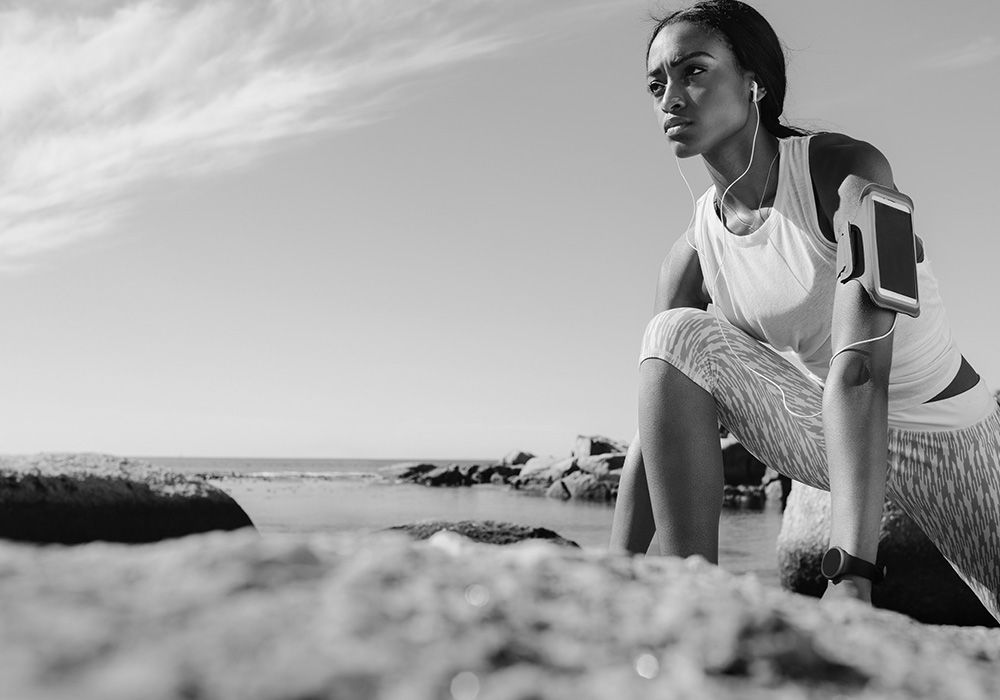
{"type": "Point", "coordinates": [296, 496]}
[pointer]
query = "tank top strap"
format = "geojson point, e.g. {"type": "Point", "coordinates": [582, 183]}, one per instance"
{"type": "Point", "coordinates": [798, 196]}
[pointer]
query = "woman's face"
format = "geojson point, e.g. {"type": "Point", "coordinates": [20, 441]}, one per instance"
{"type": "Point", "coordinates": [700, 96]}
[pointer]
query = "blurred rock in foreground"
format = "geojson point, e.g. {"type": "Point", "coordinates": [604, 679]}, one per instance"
{"type": "Point", "coordinates": [232, 615]}
{"type": "Point", "coordinates": [74, 498]}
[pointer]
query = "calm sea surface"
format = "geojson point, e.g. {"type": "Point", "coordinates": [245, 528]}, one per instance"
{"type": "Point", "coordinates": [292, 496]}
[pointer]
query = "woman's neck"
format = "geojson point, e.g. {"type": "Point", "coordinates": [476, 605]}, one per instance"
{"type": "Point", "coordinates": [726, 164]}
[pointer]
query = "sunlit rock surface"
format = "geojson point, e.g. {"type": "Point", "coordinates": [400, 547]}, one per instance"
{"type": "Point", "coordinates": [72, 498]}
{"type": "Point", "coordinates": [231, 615]}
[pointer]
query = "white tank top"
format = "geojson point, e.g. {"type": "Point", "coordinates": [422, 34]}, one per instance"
{"type": "Point", "coordinates": [777, 284]}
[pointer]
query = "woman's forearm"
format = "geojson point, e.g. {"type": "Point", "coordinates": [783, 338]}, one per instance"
{"type": "Point", "coordinates": [855, 421]}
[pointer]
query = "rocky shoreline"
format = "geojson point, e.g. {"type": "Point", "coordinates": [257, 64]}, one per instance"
{"type": "Point", "coordinates": [592, 473]}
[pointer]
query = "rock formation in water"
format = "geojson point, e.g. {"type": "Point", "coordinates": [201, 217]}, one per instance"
{"type": "Point", "coordinates": [74, 498]}
{"type": "Point", "coordinates": [590, 473]}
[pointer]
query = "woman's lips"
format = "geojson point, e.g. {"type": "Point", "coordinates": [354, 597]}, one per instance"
{"type": "Point", "coordinates": [673, 127]}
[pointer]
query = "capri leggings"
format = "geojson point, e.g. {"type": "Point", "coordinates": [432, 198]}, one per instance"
{"type": "Point", "coordinates": [948, 482]}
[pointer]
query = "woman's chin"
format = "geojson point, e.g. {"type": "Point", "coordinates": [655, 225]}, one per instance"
{"type": "Point", "coordinates": [682, 149]}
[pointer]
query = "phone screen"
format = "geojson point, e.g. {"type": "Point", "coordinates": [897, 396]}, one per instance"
{"type": "Point", "coordinates": [897, 263]}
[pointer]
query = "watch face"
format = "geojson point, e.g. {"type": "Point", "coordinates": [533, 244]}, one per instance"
{"type": "Point", "coordinates": [833, 562]}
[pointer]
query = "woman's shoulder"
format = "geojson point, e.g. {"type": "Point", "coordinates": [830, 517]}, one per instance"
{"type": "Point", "coordinates": [833, 157]}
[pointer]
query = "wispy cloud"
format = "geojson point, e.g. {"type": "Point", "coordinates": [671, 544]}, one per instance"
{"type": "Point", "coordinates": [101, 97]}
{"type": "Point", "coordinates": [976, 53]}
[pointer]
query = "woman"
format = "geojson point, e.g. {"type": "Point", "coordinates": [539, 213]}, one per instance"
{"type": "Point", "coordinates": [897, 411]}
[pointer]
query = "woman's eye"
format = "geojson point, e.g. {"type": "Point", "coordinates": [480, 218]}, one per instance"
{"type": "Point", "coordinates": [656, 89]}
{"type": "Point", "coordinates": [693, 70]}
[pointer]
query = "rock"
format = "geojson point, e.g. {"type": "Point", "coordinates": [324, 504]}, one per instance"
{"type": "Point", "coordinates": [586, 487]}
{"type": "Point", "coordinates": [919, 582]}
{"type": "Point", "coordinates": [538, 474]}
{"type": "Point", "coordinates": [772, 489]}
{"type": "Point", "coordinates": [602, 465]}
{"type": "Point", "coordinates": [739, 467]}
{"type": "Point", "coordinates": [443, 476]}
{"type": "Point", "coordinates": [558, 491]}
{"type": "Point", "coordinates": [776, 486]}
{"type": "Point", "coordinates": [468, 471]}
{"type": "Point", "coordinates": [591, 445]}
{"type": "Point", "coordinates": [501, 475]}
{"type": "Point", "coordinates": [385, 617]}
{"type": "Point", "coordinates": [537, 465]}
{"type": "Point", "coordinates": [564, 467]}
{"type": "Point", "coordinates": [487, 531]}
{"type": "Point", "coordinates": [407, 471]}
{"type": "Point", "coordinates": [515, 458]}
{"type": "Point", "coordinates": [482, 474]}
{"type": "Point", "coordinates": [74, 498]}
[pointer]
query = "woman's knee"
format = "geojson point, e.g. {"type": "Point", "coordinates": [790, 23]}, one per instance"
{"type": "Point", "coordinates": [677, 331]}
{"type": "Point", "coordinates": [686, 339]}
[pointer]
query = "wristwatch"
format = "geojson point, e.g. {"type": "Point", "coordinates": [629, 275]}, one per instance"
{"type": "Point", "coordinates": [837, 564]}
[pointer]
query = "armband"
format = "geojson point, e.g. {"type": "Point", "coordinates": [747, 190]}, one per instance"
{"type": "Point", "coordinates": [879, 250]}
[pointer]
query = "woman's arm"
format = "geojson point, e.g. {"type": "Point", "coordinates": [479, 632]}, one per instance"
{"type": "Point", "coordinates": [680, 284]}
{"type": "Point", "coordinates": [855, 398]}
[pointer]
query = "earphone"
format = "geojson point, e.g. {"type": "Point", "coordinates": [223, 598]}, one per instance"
{"type": "Point", "coordinates": [715, 308]}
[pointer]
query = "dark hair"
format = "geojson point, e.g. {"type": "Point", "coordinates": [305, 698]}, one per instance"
{"type": "Point", "coordinates": [753, 43]}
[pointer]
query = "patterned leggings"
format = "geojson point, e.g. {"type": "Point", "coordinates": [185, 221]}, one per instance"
{"type": "Point", "coordinates": [948, 482]}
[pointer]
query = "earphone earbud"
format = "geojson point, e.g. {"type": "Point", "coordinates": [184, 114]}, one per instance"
{"type": "Point", "coordinates": [753, 89]}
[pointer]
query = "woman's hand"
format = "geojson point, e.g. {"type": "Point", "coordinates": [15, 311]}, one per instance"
{"type": "Point", "coordinates": [851, 587]}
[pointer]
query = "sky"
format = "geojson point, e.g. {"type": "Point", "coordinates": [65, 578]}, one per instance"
{"type": "Point", "coordinates": [405, 229]}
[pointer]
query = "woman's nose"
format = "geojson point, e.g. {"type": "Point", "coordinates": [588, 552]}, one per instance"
{"type": "Point", "coordinates": [673, 99]}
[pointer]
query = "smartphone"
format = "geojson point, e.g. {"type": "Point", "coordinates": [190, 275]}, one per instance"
{"type": "Point", "coordinates": [895, 248]}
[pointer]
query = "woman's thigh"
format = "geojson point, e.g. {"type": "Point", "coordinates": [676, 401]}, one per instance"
{"type": "Point", "coordinates": [768, 403]}
{"type": "Point", "coordinates": [949, 483]}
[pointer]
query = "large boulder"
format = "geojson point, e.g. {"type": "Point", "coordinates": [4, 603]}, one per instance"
{"type": "Point", "coordinates": [584, 486]}
{"type": "Point", "coordinates": [74, 498]}
{"type": "Point", "coordinates": [919, 582]}
{"type": "Point", "coordinates": [591, 445]}
{"type": "Point", "coordinates": [538, 465]}
{"type": "Point", "coordinates": [540, 472]}
{"type": "Point", "coordinates": [515, 458]}
{"type": "Point", "coordinates": [488, 531]}
{"type": "Point", "coordinates": [603, 465]}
